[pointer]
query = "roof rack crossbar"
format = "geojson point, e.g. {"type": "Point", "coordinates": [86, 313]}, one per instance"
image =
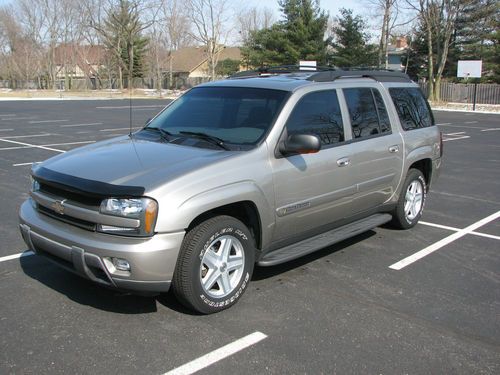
{"type": "Point", "coordinates": [377, 75]}
{"type": "Point", "coordinates": [326, 73]}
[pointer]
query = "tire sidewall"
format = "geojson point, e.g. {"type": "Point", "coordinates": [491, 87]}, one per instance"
{"type": "Point", "coordinates": [226, 227]}
{"type": "Point", "coordinates": [413, 175]}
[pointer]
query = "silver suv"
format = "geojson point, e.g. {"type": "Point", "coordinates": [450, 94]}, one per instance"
{"type": "Point", "coordinates": [262, 168]}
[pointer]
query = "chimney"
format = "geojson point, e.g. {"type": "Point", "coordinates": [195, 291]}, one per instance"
{"type": "Point", "coordinates": [401, 42]}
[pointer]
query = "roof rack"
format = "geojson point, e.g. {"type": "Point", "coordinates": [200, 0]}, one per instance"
{"type": "Point", "coordinates": [326, 73]}
{"type": "Point", "coordinates": [377, 75]}
{"type": "Point", "coordinates": [264, 71]}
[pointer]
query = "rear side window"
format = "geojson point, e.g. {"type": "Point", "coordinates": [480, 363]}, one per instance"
{"type": "Point", "coordinates": [318, 113]}
{"type": "Point", "coordinates": [413, 110]}
{"type": "Point", "coordinates": [367, 111]}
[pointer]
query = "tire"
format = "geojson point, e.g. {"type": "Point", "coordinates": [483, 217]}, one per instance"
{"type": "Point", "coordinates": [411, 201]}
{"type": "Point", "coordinates": [204, 279]}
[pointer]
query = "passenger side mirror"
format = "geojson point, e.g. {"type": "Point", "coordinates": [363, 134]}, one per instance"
{"type": "Point", "coordinates": [300, 144]}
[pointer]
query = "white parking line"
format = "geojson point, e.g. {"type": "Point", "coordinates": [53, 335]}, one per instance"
{"type": "Point", "coordinates": [462, 126]}
{"type": "Point", "coordinates": [445, 241]}
{"type": "Point", "coordinates": [458, 229]}
{"type": "Point", "coordinates": [455, 139]}
{"type": "Point", "coordinates": [74, 125]}
{"type": "Point", "coordinates": [44, 121]}
{"type": "Point", "coordinates": [470, 122]}
{"type": "Point", "coordinates": [29, 144]}
{"type": "Point", "coordinates": [490, 130]}
{"type": "Point", "coordinates": [133, 107]}
{"type": "Point", "coordinates": [6, 130]}
{"type": "Point", "coordinates": [112, 130]}
{"type": "Point", "coordinates": [22, 164]}
{"type": "Point", "coordinates": [444, 123]}
{"type": "Point", "coordinates": [218, 354]}
{"type": "Point", "coordinates": [17, 118]}
{"type": "Point", "coordinates": [27, 136]}
{"type": "Point", "coordinates": [9, 115]}
{"type": "Point", "coordinates": [456, 133]}
{"type": "Point", "coordinates": [17, 256]}
{"type": "Point", "coordinates": [53, 144]}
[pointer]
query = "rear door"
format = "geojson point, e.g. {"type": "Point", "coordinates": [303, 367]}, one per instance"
{"type": "Point", "coordinates": [377, 157]}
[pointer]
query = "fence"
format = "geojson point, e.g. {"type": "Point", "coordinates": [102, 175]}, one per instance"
{"type": "Point", "coordinates": [78, 84]}
{"type": "Point", "coordinates": [464, 93]}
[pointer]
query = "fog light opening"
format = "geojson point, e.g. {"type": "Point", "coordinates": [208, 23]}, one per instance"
{"type": "Point", "coordinates": [121, 264]}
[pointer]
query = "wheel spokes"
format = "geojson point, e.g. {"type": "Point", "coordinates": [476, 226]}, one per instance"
{"type": "Point", "coordinates": [234, 262]}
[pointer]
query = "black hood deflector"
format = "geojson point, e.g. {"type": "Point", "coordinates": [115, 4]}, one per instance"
{"type": "Point", "coordinates": [90, 188]}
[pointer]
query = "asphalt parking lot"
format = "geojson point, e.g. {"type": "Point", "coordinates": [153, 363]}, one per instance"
{"type": "Point", "coordinates": [421, 301]}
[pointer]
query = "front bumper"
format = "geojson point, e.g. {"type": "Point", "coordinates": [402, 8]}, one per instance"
{"type": "Point", "coordinates": [152, 260]}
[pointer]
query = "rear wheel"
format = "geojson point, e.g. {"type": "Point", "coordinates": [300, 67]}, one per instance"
{"type": "Point", "coordinates": [215, 265]}
{"type": "Point", "coordinates": [411, 202]}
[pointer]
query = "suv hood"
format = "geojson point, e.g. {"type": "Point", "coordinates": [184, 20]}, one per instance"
{"type": "Point", "coordinates": [126, 161]}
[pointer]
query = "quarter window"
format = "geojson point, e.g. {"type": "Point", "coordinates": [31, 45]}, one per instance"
{"type": "Point", "coordinates": [367, 111]}
{"type": "Point", "coordinates": [318, 113]}
{"type": "Point", "coordinates": [413, 110]}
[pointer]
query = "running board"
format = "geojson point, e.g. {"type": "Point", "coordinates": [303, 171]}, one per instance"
{"type": "Point", "coordinates": [322, 240]}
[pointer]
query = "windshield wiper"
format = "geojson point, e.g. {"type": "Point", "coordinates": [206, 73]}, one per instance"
{"type": "Point", "coordinates": [207, 137]}
{"type": "Point", "coordinates": [165, 135]}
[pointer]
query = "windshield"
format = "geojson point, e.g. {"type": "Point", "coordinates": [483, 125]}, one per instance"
{"type": "Point", "coordinates": [230, 114]}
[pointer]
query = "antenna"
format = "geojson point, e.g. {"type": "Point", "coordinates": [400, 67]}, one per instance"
{"type": "Point", "coordinates": [130, 81]}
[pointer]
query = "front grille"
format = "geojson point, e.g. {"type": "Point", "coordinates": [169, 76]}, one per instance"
{"type": "Point", "coordinates": [67, 219]}
{"type": "Point", "coordinates": [75, 197]}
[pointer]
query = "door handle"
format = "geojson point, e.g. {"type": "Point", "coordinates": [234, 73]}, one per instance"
{"type": "Point", "coordinates": [394, 149]}
{"type": "Point", "coordinates": [343, 162]}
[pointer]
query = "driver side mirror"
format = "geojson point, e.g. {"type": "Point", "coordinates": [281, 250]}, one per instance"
{"type": "Point", "coordinates": [300, 144]}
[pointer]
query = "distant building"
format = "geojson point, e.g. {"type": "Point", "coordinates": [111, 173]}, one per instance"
{"type": "Point", "coordinates": [191, 62]}
{"type": "Point", "coordinates": [78, 62]}
{"type": "Point", "coordinates": [395, 53]}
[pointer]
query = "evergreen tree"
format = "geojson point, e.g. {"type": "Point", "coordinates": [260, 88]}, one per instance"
{"type": "Point", "coordinates": [350, 42]}
{"type": "Point", "coordinates": [300, 36]}
{"type": "Point", "coordinates": [122, 35]}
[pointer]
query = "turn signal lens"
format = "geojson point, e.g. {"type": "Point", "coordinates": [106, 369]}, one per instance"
{"type": "Point", "coordinates": [150, 216]}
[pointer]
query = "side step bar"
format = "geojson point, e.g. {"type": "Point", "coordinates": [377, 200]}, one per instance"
{"type": "Point", "coordinates": [322, 240]}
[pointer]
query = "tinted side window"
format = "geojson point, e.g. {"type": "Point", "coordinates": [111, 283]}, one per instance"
{"type": "Point", "coordinates": [413, 110]}
{"type": "Point", "coordinates": [383, 117]}
{"type": "Point", "coordinates": [318, 113]}
{"type": "Point", "coordinates": [367, 110]}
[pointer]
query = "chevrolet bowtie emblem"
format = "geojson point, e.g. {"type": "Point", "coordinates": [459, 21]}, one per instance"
{"type": "Point", "coordinates": [58, 206]}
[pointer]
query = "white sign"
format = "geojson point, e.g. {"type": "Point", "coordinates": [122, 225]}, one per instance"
{"type": "Point", "coordinates": [307, 65]}
{"type": "Point", "coordinates": [469, 68]}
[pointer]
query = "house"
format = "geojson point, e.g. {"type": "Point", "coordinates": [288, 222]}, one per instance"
{"type": "Point", "coordinates": [395, 53]}
{"type": "Point", "coordinates": [192, 62]}
{"type": "Point", "coordinates": [79, 62]}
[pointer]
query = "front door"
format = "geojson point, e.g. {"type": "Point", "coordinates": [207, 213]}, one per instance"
{"type": "Point", "coordinates": [313, 190]}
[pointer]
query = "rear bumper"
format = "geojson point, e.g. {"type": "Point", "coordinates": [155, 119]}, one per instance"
{"type": "Point", "coordinates": [88, 254]}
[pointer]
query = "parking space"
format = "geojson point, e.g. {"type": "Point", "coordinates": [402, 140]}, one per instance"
{"type": "Point", "coordinates": [344, 309]}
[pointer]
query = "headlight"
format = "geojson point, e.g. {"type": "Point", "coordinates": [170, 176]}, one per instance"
{"type": "Point", "coordinates": [144, 209]}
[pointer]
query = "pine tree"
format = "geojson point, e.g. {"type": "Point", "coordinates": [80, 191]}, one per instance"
{"type": "Point", "coordinates": [122, 35]}
{"type": "Point", "coordinates": [300, 36]}
{"type": "Point", "coordinates": [350, 43]}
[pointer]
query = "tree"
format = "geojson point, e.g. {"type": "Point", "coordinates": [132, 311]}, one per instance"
{"type": "Point", "coordinates": [350, 43]}
{"type": "Point", "coordinates": [253, 19]}
{"type": "Point", "coordinates": [122, 35]}
{"type": "Point", "coordinates": [437, 18]}
{"type": "Point", "coordinates": [299, 36]}
{"type": "Point", "coordinates": [209, 18]}
{"type": "Point", "coordinates": [227, 67]}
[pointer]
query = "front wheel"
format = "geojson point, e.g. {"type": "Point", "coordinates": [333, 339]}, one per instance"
{"type": "Point", "coordinates": [215, 265]}
{"type": "Point", "coordinates": [411, 201]}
